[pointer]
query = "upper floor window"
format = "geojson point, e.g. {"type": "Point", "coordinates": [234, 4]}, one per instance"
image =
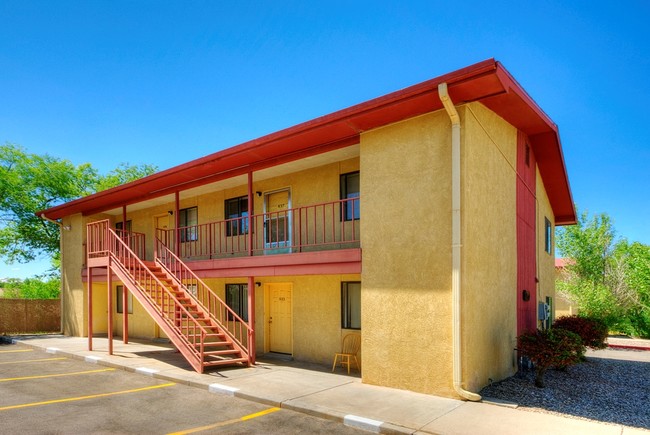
{"type": "Point", "coordinates": [235, 210]}
{"type": "Point", "coordinates": [237, 300]}
{"type": "Point", "coordinates": [120, 225]}
{"type": "Point", "coordinates": [548, 236]}
{"type": "Point", "coordinates": [350, 190]}
{"type": "Point", "coordinates": [188, 219]}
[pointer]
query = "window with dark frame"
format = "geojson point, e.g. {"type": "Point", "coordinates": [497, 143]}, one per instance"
{"type": "Point", "coordinates": [237, 300]}
{"type": "Point", "coordinates": [350, 189]}
{"type": "Point", "coordinates": [119, 308]}
{"type": "Point", "coordinates": [351, 305]}
{"type": "Point", "coordinates": [548, 236]}
{"type": "Point", "coordinates": [188, 219]}
{"type": "Point", "coordinates": [120, 225]}
{"type": "Point", "coordinates": [236, 209]}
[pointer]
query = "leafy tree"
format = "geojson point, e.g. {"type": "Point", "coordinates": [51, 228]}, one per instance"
{"type": "Point", "coordinates": [40, 287]}
{"type": "Point", "coordinates": [608, 278]}
{"type": "Point", "coordinates": [29, 183]}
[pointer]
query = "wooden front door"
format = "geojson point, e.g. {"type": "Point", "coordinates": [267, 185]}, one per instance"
{"type": "Point", "coordinates": [280, 317]}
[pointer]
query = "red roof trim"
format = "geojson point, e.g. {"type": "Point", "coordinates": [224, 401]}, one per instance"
{"type": "Point", "coordinates": [487, 82]}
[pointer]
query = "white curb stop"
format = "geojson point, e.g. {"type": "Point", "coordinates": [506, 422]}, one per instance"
{"type": "Point", "coordinates": [146, 371]}
{"type": "Point", "coordinates": [52, 350]}
{"type": "Point", "coordinates": [222, 389]}
{"type": "Point", "coordinates": [92, 359]}
{"type": "Point", "coordinates": [362, 423]}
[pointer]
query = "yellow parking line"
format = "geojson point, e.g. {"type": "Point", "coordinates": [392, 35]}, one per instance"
{"type": "Point", "coordinates": [227, 422]}
{"type": "Point", "coordinates": [94, 396]}
{"type": "Point", "coordinates": [56, 375]}
{"type": "Point", "coordinates": [16, 350]}
{"type": "Point", "coordinates": [32, 360]}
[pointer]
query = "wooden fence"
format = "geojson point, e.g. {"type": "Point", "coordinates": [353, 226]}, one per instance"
{"type": "Point", "coordinates": [30, 315]}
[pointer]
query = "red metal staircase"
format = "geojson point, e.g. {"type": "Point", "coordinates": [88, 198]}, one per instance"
{"type": "Point", "coordinates": [206, 335]}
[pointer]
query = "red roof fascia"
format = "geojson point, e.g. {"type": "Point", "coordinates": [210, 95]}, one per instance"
{"type": "Point", "coordinates": [485, 81]}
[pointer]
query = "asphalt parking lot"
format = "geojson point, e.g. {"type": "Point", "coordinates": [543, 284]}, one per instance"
{"type": "Point", "coordinates": [45, 393]}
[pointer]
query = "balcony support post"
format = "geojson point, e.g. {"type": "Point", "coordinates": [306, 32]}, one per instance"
{"type": "Point", "coordinates": [250, 213]}
{"type": "Point", "coordinates": [177, 219]}
{"type": "Point", "coordinates": [90, 307]}
{"type": "Point", "coordinates": [251, 320]}
{"type": "Point", "coordinates": [109, 292]}
{"type": "Point", "coordinates": [125, 314]}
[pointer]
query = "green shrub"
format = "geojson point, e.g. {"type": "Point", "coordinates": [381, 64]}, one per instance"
{"type": "Point", "coordinates": [553, 347]}
{"type": "Point", "coordinates": [592, 332]}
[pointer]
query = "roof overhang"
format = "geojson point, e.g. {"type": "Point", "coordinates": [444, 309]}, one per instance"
{"type": "Point", "coordinates": [487, 82]}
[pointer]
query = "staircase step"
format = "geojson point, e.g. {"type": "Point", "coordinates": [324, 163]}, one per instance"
{"type": "Point", "coordinates": [222, 352]}
{"type": "Point", "coordinates": [225, 362]}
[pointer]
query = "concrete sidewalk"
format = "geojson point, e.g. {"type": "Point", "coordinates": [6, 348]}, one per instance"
{"type": "Point", "coordinates": [312, 389]}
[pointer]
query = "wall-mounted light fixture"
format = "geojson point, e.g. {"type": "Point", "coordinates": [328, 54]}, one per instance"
{"type": "Point", "coordinates": [170, 212]}
{"type": "Point", "coordinates": [258, 284]}
{"type": "Point", "coordinates": [258, 193]}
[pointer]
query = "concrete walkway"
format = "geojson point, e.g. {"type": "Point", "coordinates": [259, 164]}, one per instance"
{"type": "Point", "coordinates": [312, 389]}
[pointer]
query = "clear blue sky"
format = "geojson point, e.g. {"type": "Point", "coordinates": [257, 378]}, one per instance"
{"type": "Point", "coordinates": [164, 82]}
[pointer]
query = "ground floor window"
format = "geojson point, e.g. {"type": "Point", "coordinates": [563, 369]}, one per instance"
{"type": "Point", "coordinates": [237, 300]}
{"type": "Point", "coordinates": [119, 307]}
{"type": "Point", "coordinates": [351, 305]}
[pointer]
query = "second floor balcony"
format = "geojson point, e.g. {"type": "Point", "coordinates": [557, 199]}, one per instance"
{"type": "Point", "coordinates": [325, 226]}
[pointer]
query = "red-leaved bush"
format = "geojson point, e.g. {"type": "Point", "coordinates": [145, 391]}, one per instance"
{"type": "Point", "coordinates": [553, 347]}
{"type": "Point", "coordinates": [593, 332]}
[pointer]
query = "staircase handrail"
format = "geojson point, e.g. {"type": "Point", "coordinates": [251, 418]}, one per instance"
{"type": "Point", "coordinates": [120, 255]}
{"type": "Point", "coordinates": [181, 272]}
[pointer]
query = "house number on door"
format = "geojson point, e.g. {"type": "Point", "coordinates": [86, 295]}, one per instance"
{"type": "Point", "coordinates": [283, 299]}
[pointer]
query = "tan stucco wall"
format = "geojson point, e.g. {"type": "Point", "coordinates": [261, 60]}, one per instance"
{"type": "Point", "coordinates": [406, 242]}
{"type": "Point", "coordinates": [545, 261]}
{"type": "Point", "coordinates": [489, 246]}
{"type": "Point", "coordinates": [73, 290]}
{"type": "Point", "coordinates": [316, 306]}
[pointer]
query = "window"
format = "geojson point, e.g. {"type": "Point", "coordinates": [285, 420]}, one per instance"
{"type": "Point", "coordinates": [119, 308]}
{"type": "Point", "coordinates": [236, 208]}
{"type": "Point", "coordinates": [350, 189]}
{"type": "Point", "coordinates": [237, 300]}
{"type": "Point", "coordinates": [188, 218]}
{"type": "Point", "coordinates": [120, 225]}
{"type": "Point", "coordinates": [192, 288]}
{"type": "Point", "coordinates": [351, 305]}
{"type": "Point", "coordinates": [548, 239]}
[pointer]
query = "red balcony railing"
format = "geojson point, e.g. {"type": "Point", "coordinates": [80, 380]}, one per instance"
{"type": "Point", "coordinates": [330, 225]}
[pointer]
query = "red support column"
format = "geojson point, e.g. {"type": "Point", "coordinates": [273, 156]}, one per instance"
{"type": "Point", "coordinates": [250, 213]}
{"type": "Point", "coordinates": [125, 315]}
{"type": "Point", "coordinates": [109, 292]}
{"type": "Point", "coordinates": [90, 308]}
{"type": "Point", "coordinates": [251, 319]}
{"type": "Point", "coordinates": [177, 219]}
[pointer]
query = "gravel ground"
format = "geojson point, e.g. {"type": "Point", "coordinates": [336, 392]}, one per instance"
{"type": "Point", "coordinates": [602, 389]}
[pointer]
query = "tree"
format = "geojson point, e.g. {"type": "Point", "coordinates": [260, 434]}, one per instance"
{"type": "Point", "coordinates": [29, 183]}
{"type": "Point", "coordinates": [607, 277]}
{"type": "Point", "coordinates": [40, 287]}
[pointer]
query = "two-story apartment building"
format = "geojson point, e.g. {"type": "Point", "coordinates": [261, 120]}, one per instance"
{"type": "Point", "coordinates": [423, 219]}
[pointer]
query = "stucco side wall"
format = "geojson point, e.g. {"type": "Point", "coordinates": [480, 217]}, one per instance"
{"type": "Point", "coordinates": [489, 246]}
{"type": "Point", "coordinates": [545, 261]}
{"type": "Point", "coordinates": [406, 242]}
{"type": "Point", "coordinates": [73, 290]}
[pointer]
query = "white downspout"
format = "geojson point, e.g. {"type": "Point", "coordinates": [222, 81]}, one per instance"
{"type": "Point", "coordinates": [455, 241]}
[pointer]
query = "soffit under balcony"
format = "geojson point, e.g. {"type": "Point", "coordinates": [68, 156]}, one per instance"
{"type": "Point", "coordinates": [264, 174]}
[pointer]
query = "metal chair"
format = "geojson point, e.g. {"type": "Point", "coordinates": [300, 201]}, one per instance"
{"type": "Point", "coordinates": [349, 350]}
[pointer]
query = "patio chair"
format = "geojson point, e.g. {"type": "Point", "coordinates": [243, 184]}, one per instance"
{"type": "Point", "coordinates": [349, 350]}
